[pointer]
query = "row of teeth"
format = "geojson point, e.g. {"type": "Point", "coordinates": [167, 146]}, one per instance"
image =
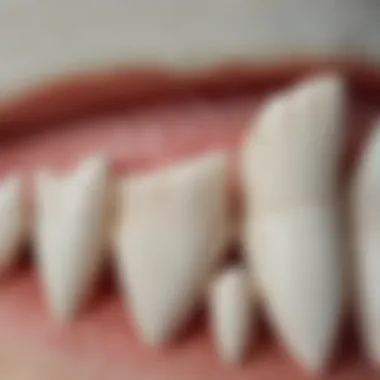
{"type": "Point", "coordinates": [171, 229]}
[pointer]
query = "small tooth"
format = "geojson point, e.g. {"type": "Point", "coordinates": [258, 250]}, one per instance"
{"type": "Point", "coordinates": [173, 229]}
{"type": "Point", "coordinates": [292, 227]}
{"type": "Point", "coordinates": [12, 221]}
{"type": "Point", "coordinates": [70, 234]}
{"type": "Point", "coordinates": [231, 314]}
{"type": "Point", "coordinates": [366, 231]}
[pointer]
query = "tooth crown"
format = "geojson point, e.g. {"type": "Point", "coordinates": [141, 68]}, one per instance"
{"type": "Point", "coordinates": [12, 221]}
{"type": "Point", "coordinates": [231, 313]}
{"type": "Point", "coordinates": [171, 234]}
{"type": "Point", "coordinates": [70, 233]}
{"type": "Point", "coordinates": [292, 229]}
{"type": "Point", "coordinates": [291, 155]}
{"type": "Point", "coordinates": [365, 198]}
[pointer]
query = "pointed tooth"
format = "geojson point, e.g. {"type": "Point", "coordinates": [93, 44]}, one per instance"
{"type": "Point", "coordinates": [366, 229]}
{"type": "Point", "coordinates": [172, 231]}
{"type": "Point", "coordinates": [231, 314]}
{"type": "Point", "coordinates": [12, 221]}
{"type": "Point", "coordinates": [292, 230]}
{"type": "Point", "coordinates": [70, 234]}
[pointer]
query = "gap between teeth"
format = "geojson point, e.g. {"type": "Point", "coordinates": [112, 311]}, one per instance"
{"type": "Point", "coordinates": [169, 231]}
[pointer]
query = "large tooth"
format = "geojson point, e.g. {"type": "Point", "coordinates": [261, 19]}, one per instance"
{"type": "Point", "coordinates": [12, 221]}
{"type": "Point", "coordinates": [70, 234]}
{"type": "Point", "coordinates": [292, 230]}
{"type": "Point", "coordinates": [231, 314]}
{"type": "Point", "coordinates": [366, 231]}
{"type": "Point", "coordinates": [173, 229]}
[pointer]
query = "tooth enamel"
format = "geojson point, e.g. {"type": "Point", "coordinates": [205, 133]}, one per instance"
{"type": "Point", "coordinates": [12, 221]}
{"type": "Point", "coordinates": [70, 234]}
{"type": "Point", "coordinates": [366, 230]}
{"type": "Point", "coordinates": [173, 229]}
{"type": "Point", "coordinates": [292, 230]}
{"type": "Point", "coordinates": [231, 314]}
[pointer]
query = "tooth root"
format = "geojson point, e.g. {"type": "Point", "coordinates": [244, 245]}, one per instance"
{"type": "Point", "coordinates": [12, 221]}
{"type": "Point", "coordinates": [70, 234]}
{"type": "Point", "coordinates": [292, 229]}
{"type": "Point", "coordinates": [366, 229]}
{"type": "Point", "coordinates": [231, 314]}
{"type": "Point", "coordinates": [172, 231]}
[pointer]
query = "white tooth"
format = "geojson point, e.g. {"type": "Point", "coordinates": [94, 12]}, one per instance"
{"type": "Point", "coordinates": [366, 231]}
{"type": "Point", "coordinates": [70, 234]}
{"type": "Point", "coordinates": [292, 230]}
{"type": "Point", "coordinates": [172, 230]}
{"type": "Point", "coordinates": [12, 221]}
{"type": "Point", "coordinates": [231, 314]}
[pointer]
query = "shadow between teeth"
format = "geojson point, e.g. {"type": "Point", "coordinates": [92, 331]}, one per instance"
{"type": "Point", "coordinates": [171, 229]}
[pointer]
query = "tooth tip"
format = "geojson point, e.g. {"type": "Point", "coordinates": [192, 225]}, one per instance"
{"type": "Point", "coordinates": [11, 184]}
{"type": "Point", "coordinates": [371, 348]}
{"type": "Point", "coordinates": [281, 114]}
{"type": "Point", "coordinates": [95, 163]}
{"type": "Point", "coordinates": [311, 355]}
{"type": "Point", "coordinates": [327, 90]}
{"type": "Point", "coordinates": [313, 365]}
{"type": "Point", "coordinates": [332, 87]}
{"type": "Point", "coordinates": [154, 336]}
{"type": "Point", "coordinates": [43, 176]}
{"type": "Point", "coordinates": [62, 302]}
{"type": "Point", "coordinates": [271, 118]}
{"type": "Point", "coordinates": [209, 162]}
{"type": "Point", "coordinates": [373, 355]}
{"type": "Point", "coordinates": [329, 82]}
{"type": "Point", "coordinates": [155, 341]}
{"type": "Point", "coordinates": [276, 108]}
{"type": "Point", "coordinates": [14, 179]}
{"type": "Point", "coordinates": [232, 358]}
{"type": "Point", "coordinates": [63, 312]}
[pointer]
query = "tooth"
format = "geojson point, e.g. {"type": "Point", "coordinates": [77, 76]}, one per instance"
{"type": "Point", "coordinates": [292, 229]}
{"type": "Point", "coordinates": [12, 221]}
{"type": "Point", "coordinates": [231, 314]}
{"type": "Point", "coordinates": [70, 234]}
{"type": "Point", "coordinates": [172, 231]}
{"type": "Point", "coordinates": [366, 231]}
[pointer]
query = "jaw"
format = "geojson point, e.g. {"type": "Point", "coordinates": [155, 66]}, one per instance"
{"type": "Point", "coordinates": [103, 340]}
